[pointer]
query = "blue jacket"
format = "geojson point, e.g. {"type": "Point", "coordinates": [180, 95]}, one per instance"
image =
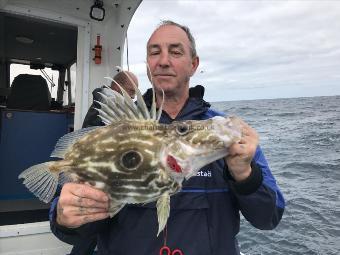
{"type": "Point", "coordinates": [204, 217]}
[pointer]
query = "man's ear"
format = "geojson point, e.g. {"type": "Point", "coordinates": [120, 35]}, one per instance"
{"type": "Point", "coordinates": [194, 64]}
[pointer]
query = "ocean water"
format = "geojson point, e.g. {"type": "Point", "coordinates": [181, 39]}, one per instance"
{"type": "Point", "coordinates": [301, 140]}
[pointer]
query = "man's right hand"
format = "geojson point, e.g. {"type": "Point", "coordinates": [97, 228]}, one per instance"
{"type": "Point", "coordinates": [79, 204]}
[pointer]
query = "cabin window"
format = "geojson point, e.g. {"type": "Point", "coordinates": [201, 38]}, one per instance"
{"type": "Point", "coordinates": [51, 76]}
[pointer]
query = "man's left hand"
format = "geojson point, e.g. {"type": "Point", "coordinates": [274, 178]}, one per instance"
{"type": "Point", "coordinates": [241, 153]}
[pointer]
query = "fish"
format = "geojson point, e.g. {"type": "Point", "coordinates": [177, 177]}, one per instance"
{"type": "Point", "coordinates": [134, 158]}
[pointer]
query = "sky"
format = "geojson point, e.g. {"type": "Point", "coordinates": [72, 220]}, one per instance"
{"type": "Point", "coordinates": [250, 49]}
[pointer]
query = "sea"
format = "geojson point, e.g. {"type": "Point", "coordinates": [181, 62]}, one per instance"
{"type": "Point", "coordinates": [301, 141]}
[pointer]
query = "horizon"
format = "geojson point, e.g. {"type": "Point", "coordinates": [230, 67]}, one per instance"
{"type": "Point", "coordinates": [278, 98]}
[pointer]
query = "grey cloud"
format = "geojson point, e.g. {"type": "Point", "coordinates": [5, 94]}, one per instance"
{"type": "Point", "coordinates": [251, 45]}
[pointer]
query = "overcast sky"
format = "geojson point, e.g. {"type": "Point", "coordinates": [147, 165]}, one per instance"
{"type": "Point", "coordinates": [251, 49]}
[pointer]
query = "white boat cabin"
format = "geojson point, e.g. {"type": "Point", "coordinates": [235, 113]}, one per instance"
{"type": "Point", "coordinates": [52, 55]}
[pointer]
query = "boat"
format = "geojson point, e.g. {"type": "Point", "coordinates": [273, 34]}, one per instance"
{"type": "Point", "coordinates": [79, 42]}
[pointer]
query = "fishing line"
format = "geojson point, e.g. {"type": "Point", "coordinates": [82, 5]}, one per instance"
{"type": "Point", "coordinates": [127, 52]}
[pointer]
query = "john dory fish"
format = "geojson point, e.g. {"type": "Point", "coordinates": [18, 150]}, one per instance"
{"type": "Point", "coordinates": [134, 158]}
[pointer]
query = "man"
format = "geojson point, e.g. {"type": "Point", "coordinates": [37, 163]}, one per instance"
{"type": "Point", "coordinates": [204, 217]}
{"type": "Point", "coordinates": [91, 118]}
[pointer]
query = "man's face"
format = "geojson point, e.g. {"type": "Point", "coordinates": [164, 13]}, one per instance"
{"type": "Point", "coordinates": [169, 59]}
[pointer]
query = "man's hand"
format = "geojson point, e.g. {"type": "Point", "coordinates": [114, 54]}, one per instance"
{"type": "Point", "coordinates": [79, 204]}
{"type": "Point", "coordinates": [241, 153]}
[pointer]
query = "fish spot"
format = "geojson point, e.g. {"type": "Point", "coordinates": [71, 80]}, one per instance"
{"type": "Point", "coordinates": [149, 152]}
{"type": "Point", "coordinates": [131, 159]}
{"type": "Point", "coordinates": [99, 185]}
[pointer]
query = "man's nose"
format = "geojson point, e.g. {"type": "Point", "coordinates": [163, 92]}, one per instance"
{"type": "Point", "coordinates": [164, 59]}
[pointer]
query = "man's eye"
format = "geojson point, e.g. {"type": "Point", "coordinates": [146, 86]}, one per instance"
{"type": "Point", "coordinates": [176, 53]}
{"type": "Point", "coordinates": [154, 53]}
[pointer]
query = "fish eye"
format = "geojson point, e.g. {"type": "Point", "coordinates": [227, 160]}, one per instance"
{"type": "Point", "coordinates": [131, 159]}
{"type": "Point", "coordinates": [182, 129]}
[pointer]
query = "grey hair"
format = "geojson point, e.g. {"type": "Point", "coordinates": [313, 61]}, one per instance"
{"type": "Point", "coordinates": [186, 30]}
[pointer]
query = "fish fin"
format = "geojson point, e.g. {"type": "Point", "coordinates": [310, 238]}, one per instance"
{"type": "Point", "coordinates": [115, 208]}
{"type": "Point", "coordinates": [163, 211]}
{"type": "Point", "coordinates": [115, 106]}
{"type": "Point", "coordinates": [140, 100]}
{"type": "Point", "coordinates": [153, 105]}
{"type": "Point", "coordinates": [65, 177]}
{"type": "Point", "coordinates": [66, 141]}
{"type": "Point", "coordinates": [160, 109]}
{"type": "Point", "coordinates": [41, 181]}
{"type": "Point", "coordinates": [110, 113]}
{"type": "Point", "coordinates": [134, 113]}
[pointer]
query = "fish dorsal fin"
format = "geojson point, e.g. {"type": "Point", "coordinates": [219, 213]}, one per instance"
{"type": "Point", "coordinates": [153, 105]}
{"type": "Point", "coordinates": [127, 101]}
{"type": "Point", "coordinates": [140, 100]}
{"type": "Point", "coordinates": [119, 106]}
{"type": "Point", "coordinates": [115, 106]}
{"type": "Point", "coordinates": [160, 109]}
{"type": "Point", "coordinates": [66, 141]}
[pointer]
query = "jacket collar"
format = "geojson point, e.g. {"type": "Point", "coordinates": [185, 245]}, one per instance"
{"type": "Point", "coordinates": [193, 109]}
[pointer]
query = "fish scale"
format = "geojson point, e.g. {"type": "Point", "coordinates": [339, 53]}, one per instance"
{"type": "Point", "coordinates": [134, 158]}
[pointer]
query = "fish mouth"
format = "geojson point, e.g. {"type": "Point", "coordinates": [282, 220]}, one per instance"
{"type": "Point", "coordinates": [227, 130]}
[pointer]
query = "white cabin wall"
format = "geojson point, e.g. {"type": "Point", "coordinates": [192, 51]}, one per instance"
{"type": "Point", "coordinates": [82, 78]}
{"type": "Point", "coordinates": [112, 33]}
{"type": "Point", "coordinates": [3, 67]}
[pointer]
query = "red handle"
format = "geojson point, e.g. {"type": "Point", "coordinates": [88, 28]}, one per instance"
{"type": "Point", "coordinates": [177, 252]}
{"type": "Point", "coordinates": [165, 249]}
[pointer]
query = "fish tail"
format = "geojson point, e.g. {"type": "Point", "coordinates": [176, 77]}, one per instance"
{"type": "Point", "coordinates": [41, 181]}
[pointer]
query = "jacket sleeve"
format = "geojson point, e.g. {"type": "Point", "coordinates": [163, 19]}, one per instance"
{"type": "Point", "coordinates": [73, 235]}
{"type": "Point", "coordinates": [92, 118]}
{"type": "Point", "coordinates": [259, 197]}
